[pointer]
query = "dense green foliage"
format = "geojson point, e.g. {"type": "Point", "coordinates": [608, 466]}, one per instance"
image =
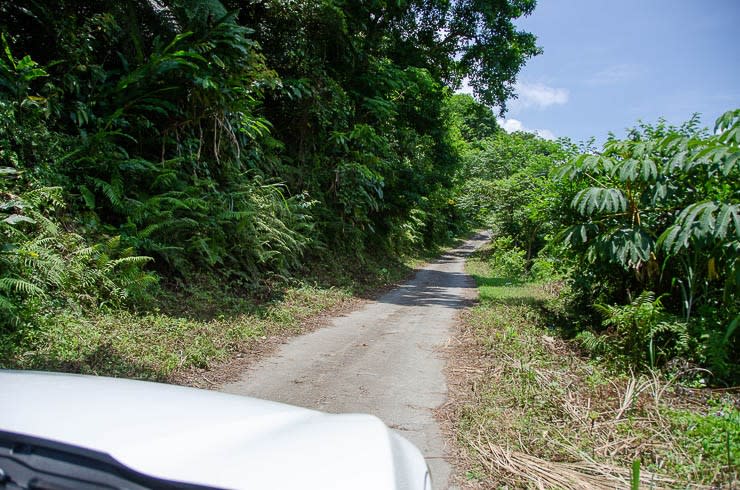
{"type": "Point", "coordinates": [506, 183]}
{"type": "Point", "coordinates": [660, 212]}
{"type": "Point", "coordinates": [159, 140]}
{"type": "Point", "coordinates": [645, 234]}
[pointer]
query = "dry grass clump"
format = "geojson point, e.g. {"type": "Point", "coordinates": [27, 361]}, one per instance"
{"type": "Point", "coordinates": [541, 473]}
{"type": "Point", "coordinates": [531, 412]}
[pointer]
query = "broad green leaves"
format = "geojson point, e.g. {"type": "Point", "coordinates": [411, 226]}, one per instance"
{"type": "Point", "coordinates": [16, 75]}
{"type": "Point", "coordinates": [728, 128]}
{"type": "Point", "coordinates": [700, 223]}
{"type": "Point", "coordinates": [659, 212]}
{"type": "Point", "coordinates": [599, 200]}
{"type": "Point", "coordinates": [629, 246]}
{"type": "Point", "coordinates": [634, 170]}
{"type": "Point", "coordinates": [651, 187]}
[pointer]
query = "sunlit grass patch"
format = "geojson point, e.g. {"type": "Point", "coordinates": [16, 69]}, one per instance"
{"type": "Point", "coordinates": [189, 326]}
{"type": "Point", "coordinates": [157, 345]}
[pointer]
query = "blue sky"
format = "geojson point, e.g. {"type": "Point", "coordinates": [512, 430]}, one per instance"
{"type": "Point", "coordinates": [607, 64]}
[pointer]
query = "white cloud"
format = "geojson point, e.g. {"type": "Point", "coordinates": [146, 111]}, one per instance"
{"type": "Point", "coordinates": [513, 125]}
{"type": "Point", "coordinates": [538, 95]}
{"type": "Point", "coordinates": [529, 95]}
{"type": "Point", "coordinates": [619, 73]}
{"type": "Point", "coordinates": [545, 134]}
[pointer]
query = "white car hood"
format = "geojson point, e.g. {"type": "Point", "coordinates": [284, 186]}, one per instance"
{"type": "Point", "coordinates": [209, 438]}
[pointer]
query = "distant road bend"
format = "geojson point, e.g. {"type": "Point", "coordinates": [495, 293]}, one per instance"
{"type": "Point", "coordinates": [382, 359]}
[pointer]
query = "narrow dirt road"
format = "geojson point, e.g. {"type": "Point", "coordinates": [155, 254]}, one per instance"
{"type": "Point", "coordinates": [381, 360]}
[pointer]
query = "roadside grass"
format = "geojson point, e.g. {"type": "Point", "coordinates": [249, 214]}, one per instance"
{"type": "Point", "coordinates": [193, 326]}
{"type": "Point", "coordinates": [530, 411]}
{"type": "Point", "coordinates": [155, 345]}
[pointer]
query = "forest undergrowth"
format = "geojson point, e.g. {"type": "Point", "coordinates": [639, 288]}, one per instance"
{"type": "Point", "coordinates": [196, 326]}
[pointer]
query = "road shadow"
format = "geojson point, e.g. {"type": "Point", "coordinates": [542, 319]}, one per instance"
{"type": "Point", "coordinates": [434, 287]}
{"type": "Point", "coordinates": [438, 294]}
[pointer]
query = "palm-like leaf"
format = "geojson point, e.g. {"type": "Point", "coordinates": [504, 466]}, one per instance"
{"type": "Point", "coordinates": [599, 200]}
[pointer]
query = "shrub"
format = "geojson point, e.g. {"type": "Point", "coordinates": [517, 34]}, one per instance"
{"type": "Point", "coordinates": [660, 211]}
{"type": "Point", "coordinates": [643, 332]}
{"type": "Point", "coordinates": [507, 260]}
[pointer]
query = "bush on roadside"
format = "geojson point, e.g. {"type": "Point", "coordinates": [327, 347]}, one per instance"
{"type": "Point", "coordinates": [506, 259]}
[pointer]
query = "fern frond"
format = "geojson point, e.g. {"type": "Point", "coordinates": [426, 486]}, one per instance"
{"type": "Point", "coordinates": [21, 286]}
{"type": "Point", "coordinates": [112, 192]}
{"type": "Point", "coordinates": [138, 260]}
{"type": "Point", "coordinates": [593, 343]}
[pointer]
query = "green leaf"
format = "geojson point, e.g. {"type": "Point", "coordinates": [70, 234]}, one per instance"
{"type": "Point", "coordinates": [673, 143]}
{"type": "Point", "coordinates": [736, 221]}
{"type": "Point", "coordinates": [8, 284]}
{"type": "Point", "coordinates": [635, 475]}
{"type": "Point", "coordinates": [731, 136]}
{"type": "Point", "coordinates": [731, 328]}
{"type": "Point", "coordinates": [649, 170]}
{"type": "Point", "coordinates": [699, 222]}
{"type": "Point", "coordinates": [565, 172]}
{"type": "Point", "coordinates": [669, 240]}
{"type": "Point", "coordinates": [627, 170]}
{"type": "Point", "coordinates": [177, 39]}
{"type": "Point", "coordinates": [9, 171]}
{"type": "Point", "coordinates": [579, 232]}
{"type": "Point", "coordinates": [112, 191]}
{"type": "Point", "coordinates": [660, 193]}
{"type": "Point", "coordinates": [728, 214]}
{"type": "Point", "coordinates": [730, 162]}
{"type": "Point", "coordinates": [14, 219]}
{"type": "Point", "coordinates": [629, 247]}
{"type": "Point", "coordinates": [727, 120]}
{"type": "Point", "coordinates": [705, 218]}
{"type": "Point", "coordinates": [88, 197]}
{"type": "Point", "coordinates": [6, 49]}
{"type": "Point", "coordinates": [588, 201]}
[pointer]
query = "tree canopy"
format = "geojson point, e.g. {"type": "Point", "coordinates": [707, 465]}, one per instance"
{"type": "Point", "coordinates": [242, 139]}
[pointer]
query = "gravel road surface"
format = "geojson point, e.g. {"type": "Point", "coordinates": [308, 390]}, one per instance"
{"type": "Point", "coordinates": [382, 359]}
